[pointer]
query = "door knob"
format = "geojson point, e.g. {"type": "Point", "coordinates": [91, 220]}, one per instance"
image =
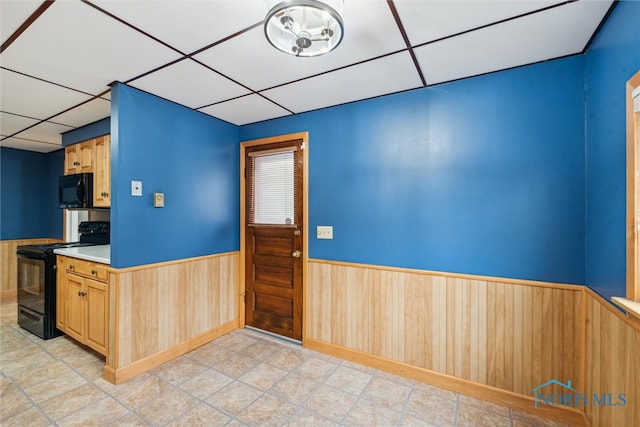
{"type": "Point", "coordinates": [296, 254]}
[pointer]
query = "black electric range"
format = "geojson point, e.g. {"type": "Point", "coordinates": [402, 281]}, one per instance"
{"type": "Point", "coordinates": [37, 278]}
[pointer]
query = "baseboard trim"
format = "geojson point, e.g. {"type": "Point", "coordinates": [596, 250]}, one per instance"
{"type": "Point", "coordinates": [517, 401]}
{"type": "Point", "coordinates": [120, 375]}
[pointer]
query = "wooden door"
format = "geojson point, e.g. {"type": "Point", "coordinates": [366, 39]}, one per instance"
{"type": "Point", "coordinates": [102, 174]}
{"type": "Point", "coordinates": [76, 316]}
{"type": "Point", "coordinates": [274, 243]}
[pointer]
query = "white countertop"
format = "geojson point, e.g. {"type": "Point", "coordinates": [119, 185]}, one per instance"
{"type": "Point", "coordinates": [99, 253]}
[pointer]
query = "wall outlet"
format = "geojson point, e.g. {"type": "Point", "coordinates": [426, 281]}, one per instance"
{"type": "Point", "coordinates": [136, 188]}
{"type": "Point", "coordinates": [324, 232]}
{"type": "Point", "coordinates": [158, 200]}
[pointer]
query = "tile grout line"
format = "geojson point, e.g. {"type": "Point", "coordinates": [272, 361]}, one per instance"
{"type": "Point", "coordinates": [287, 358]}
{"type": "Point", "coordinates": [21, 389]}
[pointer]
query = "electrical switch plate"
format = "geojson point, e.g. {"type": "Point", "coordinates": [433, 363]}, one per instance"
{"type": "Point", "coordinates": [136, 188]}
{"type": "Point", "coordinates": [158, 200]}
{"type": "Point", "coordinates": [324, 232]}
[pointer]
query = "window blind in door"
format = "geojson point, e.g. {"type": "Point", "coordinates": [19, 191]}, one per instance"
{"type": "Point", "coordinates": [271, 187]}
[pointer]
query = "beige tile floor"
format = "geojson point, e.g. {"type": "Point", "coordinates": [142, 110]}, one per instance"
{"type": "Point", "coordinates": [243, 378]}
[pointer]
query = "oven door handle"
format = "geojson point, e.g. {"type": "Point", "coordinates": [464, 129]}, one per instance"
{"type": "Point", "coordinates": [30, 255]}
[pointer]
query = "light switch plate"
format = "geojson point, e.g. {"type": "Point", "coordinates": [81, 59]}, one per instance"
{"type": "Point", "coordinates": [158, 200]}
{"type": "Point", "coordinates": [136, 188]}
{"type": "Point", "coordinates": [324, 232]}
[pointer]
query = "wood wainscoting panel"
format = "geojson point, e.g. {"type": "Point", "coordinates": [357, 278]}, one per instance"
{"type": "Point", "coordinates": [612, 364]}
{"type": "Point", "coordinates": [161, 307]}
{"type": "Point", "coordinates": [9, 263]}
{"type": "Point", "coordinates": [513, 335]}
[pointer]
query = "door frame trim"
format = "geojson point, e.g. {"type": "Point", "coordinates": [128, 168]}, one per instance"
{"type": "Point", "coordinates": [304, 136]}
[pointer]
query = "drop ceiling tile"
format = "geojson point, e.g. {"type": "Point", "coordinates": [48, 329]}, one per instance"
{"type": "Point", "coordinates": [247, 109]}
{"type": "Point", "coordinates": [84, 114]}
{"type": "Point", "coordinates": [189, 83]}
{"type": "Point", "coordinates": [393, 73]}
{"type": "Point", "coordinates": [13, 13]}
{"type": "Point", "coordinates": [431, 20]}
{"type": "Point", "coordinates": [34, 98]}
{"type": "Point", "coordinates": [26, 144]}
{"type": "Point", "coordinates": [188, 25]}
{"type": "Point", "coordinates": [12, 123]}
{"type": "Point", "coordinates": [370, 31]}
{"type": "Point", "coordinates": [45, 132]}
{"type": "Point", "coordinates": [567, 29]}
{"type": "Point", "coordinates": [75, 45]}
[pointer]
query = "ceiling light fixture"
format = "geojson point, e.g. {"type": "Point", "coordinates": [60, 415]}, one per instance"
{"type": "Point", "coordinates": [305, 27]}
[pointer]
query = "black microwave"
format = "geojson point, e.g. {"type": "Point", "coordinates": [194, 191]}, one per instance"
{"type": "Point", "coordinates": [75, 191]}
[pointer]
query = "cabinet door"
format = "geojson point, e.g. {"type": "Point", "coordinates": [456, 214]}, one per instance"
{"type": "Point", "coordinates": [71, 160]}
{"type": "Point", "coordinates": [85, 154]}
{"type": "Point", "coordinates": [96, 300]}
{"type": "Point", "coordinates": [102, 173]}
{"type": "Point", "coordinates": [76, 319]}
{"type": "Point", "coordinates": [61, 294]}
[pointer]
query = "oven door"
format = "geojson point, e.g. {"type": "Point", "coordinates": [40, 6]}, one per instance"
{"type": "Point", "coordinates": [31, 281]}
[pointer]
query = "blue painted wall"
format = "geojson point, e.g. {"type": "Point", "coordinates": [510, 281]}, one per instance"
{"type": "Point", "coordinates": [481, 176]}
{"type": "Point", "coordinates": [193, 159]}
{"type": "Point", "coordinates": [611, 60]}
{"type": "Point", "coordinates": [92, 130]}
{"type": "Point", "coordinates": [29, 194]}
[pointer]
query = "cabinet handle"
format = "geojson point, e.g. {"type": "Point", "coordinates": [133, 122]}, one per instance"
{"type": "Point", "coordinates": [79, 293]}
{"type": "Point", "coordinates": [93, 272]}
{"type": "Point", "coordinates": [72, 267]}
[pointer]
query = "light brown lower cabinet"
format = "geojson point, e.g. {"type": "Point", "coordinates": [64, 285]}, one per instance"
{"type": "Point", "coordinates": [83, 302]}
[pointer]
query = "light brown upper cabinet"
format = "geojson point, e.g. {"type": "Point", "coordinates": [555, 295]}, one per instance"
{"type": "Point", "coordinates": [78, 158]}
{"type": "Point", "coordinates": [93, 155]}
{"type": "Point", "coordinates": [102, 172]}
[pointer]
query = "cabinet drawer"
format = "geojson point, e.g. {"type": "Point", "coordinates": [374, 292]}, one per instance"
{"type": "Point", "coordinates": [89, 269]}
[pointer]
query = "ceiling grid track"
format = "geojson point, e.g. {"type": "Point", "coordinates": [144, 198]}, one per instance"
{"type": "Point", "coordinates": [407, 42]}
{"type": "Point", "coordinates": [30, 20]}
{"type": "Point", "coordinates": [242, 78]}
{"type": "Point", "coordinates": [133, 27]}
{"type": "Point", "coordinates": [492, 24]}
